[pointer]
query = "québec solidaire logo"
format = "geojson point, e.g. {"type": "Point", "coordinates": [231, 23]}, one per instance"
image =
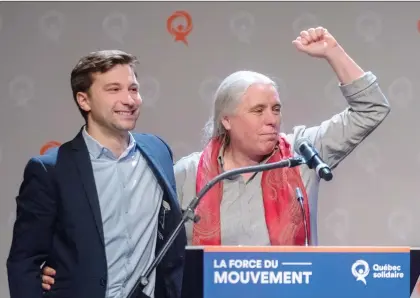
{"type": "Point", "coordinates": [361, 270]}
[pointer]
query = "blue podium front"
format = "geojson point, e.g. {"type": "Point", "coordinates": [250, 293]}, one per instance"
{"type": "Point", "coordinates": [306, 272]}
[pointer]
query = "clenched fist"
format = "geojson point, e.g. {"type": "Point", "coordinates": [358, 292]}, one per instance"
{"type": "Point", "coordinates": [315, 42]}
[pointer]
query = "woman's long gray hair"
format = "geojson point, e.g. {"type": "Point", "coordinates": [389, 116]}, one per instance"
{"type": "Point", "coordinates": [226, 99]}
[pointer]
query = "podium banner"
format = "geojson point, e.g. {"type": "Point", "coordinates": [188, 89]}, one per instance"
{"type": "Point", "coordinates": [306, 272]}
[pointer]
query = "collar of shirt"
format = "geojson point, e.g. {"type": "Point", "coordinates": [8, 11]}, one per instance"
{"type": "Point", "coordinates": [97, 150]}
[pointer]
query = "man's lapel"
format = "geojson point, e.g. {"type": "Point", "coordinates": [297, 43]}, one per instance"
{"type": "Point", "coordinates": [84, 166]}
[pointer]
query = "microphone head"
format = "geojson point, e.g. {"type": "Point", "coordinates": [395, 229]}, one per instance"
{"type": "Point", "coordinates": [299, 142]}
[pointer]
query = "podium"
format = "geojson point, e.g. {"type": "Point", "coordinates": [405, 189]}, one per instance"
{"type": "Point", "coordinates": [296, 272]}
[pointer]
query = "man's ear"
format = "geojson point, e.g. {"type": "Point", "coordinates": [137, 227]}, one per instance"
{"type": "Point", "coordinates": [83, 101]}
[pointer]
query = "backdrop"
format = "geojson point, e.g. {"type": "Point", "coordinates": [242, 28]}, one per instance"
{"type": "Point", "coordinates": [373, 199]}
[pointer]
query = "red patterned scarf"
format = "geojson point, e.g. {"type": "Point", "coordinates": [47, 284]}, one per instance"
{"type": "Point", "coordinates": [283, 215]}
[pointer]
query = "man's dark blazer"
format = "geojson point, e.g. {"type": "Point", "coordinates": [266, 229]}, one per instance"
{"type": "Point", "coordinates": [58, 222]}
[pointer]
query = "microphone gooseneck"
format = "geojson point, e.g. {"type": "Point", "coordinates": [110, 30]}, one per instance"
{"type": "Point", "coordinates": [299, 197]}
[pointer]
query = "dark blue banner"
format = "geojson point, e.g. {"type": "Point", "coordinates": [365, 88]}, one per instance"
{"type": "Point", "coordinates": [306, 272]}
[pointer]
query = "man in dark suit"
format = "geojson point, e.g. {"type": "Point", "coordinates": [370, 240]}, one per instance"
{"type": "Point", "coordinates": [99, 207]}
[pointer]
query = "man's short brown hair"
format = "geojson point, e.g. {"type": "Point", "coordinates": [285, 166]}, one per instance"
{"type": "Point", "coordinates": [96, 62]}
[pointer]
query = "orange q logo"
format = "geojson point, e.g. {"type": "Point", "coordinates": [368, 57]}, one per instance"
{"type": "Point", "coordinates": [180, 32]}
{"type": "Point", "coordinates": [48, 146]}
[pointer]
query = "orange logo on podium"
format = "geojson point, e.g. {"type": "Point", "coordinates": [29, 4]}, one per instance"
{"type": "Point", "coordinates": [48, 146]}
{"type": "Point", "coordinates": [180, 32]}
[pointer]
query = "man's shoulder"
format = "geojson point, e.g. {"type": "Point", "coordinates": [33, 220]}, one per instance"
{"type": "Point", "coordinates": [145, 136]}
{"type": "Point", "coordinates": [50, 157]}
{"type": "Point", "coordinates": [41, 163]}
{"type": "Point", "coordinates": [150, 139]}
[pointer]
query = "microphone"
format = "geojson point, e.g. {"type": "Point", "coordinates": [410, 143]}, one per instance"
{"type": "Point", "coordinates": [304, 147]}
{"type": "Point", "coordinates": [299, 197]}
{"type": "Point", "coordinates": [189, 213]}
